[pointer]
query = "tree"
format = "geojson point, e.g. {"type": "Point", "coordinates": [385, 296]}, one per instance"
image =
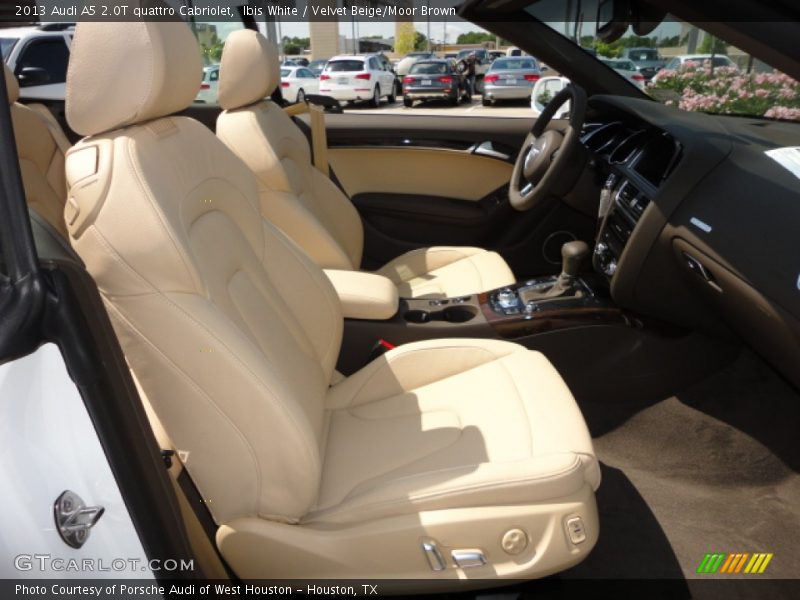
{"type": "Point", "coordinates": [670, 42]}
{"type": "Point", "coordinates": [295, 45]}
{"type": "Point", "coordinates": [420, 41]}
{"type": "Point", "coordinates": [406, 38]}
{"type": "Point", "coordinates": [212, 52]}
{"type": "Point", "coordinates": [713, 45]}
{"type": "Point", "coordinates": [475, 37]}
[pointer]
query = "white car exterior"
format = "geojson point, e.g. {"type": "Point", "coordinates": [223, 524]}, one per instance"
{"type": "Point", "coordinates": [297, 83]}
{"type": "Point", "coordinates": [357, 77]}
{"type": "Point", "coordinates": [627, 69]}
{"type": "Point", "coordinates": [209, 87]}
{"type": "Point", "coordinates": [35, 47]}
{"type": "Point", "coordinates": [50, 446]}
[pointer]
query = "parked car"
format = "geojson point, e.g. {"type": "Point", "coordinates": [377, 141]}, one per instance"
{"type": "Point", "coordinates": [351, 78]}
{"type": "Point", "coordinates": [209, 86]}
{"type": "Point", "coordinates": [38, 56]}
{"type": "Point", "coordinates": [510, 78]}
{"type": "Point", "coordinates": [317, 66]}
{"type": "Point", "coordinates": [627, 69]}
{"type": "Point", "coordinates": [296, 82]}
{"type": "Point", "coordinates": [676, 62]}
{"type": "Point", "coordinates": [434, 78]}
{"type": "Point", "coordinates": [647, 60]}
{"type": "Point", "coordinates": [405, 64]}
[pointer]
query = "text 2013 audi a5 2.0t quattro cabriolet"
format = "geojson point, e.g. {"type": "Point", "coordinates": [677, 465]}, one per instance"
{"type": "Point", "coordinates": [243, 340]}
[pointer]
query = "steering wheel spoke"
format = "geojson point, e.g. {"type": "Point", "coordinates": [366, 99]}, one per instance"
{"type": "Point", "coordinates": [545, 152]}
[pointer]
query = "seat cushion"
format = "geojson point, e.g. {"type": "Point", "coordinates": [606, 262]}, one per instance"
{"type": "Point", "coordinates": [446, 272]}
{"type": "Point", "coordinates": [451, 424]}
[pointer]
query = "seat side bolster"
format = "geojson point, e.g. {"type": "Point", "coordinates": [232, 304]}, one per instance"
{"type": "Point", "coordinates": [413, 365]}
{"type": "Point", "coordinates": [538, 479]}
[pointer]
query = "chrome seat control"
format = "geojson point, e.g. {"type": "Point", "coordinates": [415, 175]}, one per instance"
{"type": "Point", "coordinates": [433, 554]}
{"type": "Point", "coordinates": [576, 530]}
{"type": "Point", "coordinates": [468, 559]}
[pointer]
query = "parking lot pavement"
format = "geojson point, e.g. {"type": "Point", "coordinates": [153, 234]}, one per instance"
{"type": "Point", "coordinates": [442, 108]}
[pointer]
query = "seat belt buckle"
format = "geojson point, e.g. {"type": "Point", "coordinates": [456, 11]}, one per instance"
{"type": "Point", "coordinates": [380, 348]}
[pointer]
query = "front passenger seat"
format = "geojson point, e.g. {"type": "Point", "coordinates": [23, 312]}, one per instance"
{"type": "Point", "coordinates": [40, 148]}
{"type": "Point", "coordinates": [442, 459]}
{"type": "Point", "coordinates": [306, 204]}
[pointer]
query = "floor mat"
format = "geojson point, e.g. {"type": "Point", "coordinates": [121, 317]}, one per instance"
{"type": "Point", "coordinates": [715, 468]}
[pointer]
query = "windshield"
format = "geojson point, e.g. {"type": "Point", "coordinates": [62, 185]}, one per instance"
{"type": "Point", "coordinates": [643, 54]}
{"type": "Point", "coordinates": [513, 63]}
{"type": "Point", "coordinates": [429, 69]}
{"type": "Point", "coordinates": [720, 78]}
{"type": "Point", "coordinates": [480, 53]}
{"type": "Point", "coordinates": [345, 65]}
{"type": "Point", "coordinates": [624, 65]}
{"type": "Point", "coordinates": [6, 44]}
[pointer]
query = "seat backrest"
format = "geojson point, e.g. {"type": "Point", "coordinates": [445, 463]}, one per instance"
{"type": "Point", "coordinates": [295, 196]}
{"type": "Point", "coordinates": [41, 159]}
{"type": "Point", "coordinates": [232, 332]}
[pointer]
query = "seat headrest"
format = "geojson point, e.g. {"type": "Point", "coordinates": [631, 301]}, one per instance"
{"type": "Point", "coordinates": [125, 73]}
{"type": "Point", "coordinates": [249, 70]}
{"type": "Point", "coordinates": [11, 85]}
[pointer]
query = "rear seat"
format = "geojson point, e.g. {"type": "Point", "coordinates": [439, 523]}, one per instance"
{"type": "Point", "coordinates": [41, 146]}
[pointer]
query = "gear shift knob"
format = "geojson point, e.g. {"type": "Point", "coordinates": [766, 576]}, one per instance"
{"type": "Point", "coordinates": [572, 255]}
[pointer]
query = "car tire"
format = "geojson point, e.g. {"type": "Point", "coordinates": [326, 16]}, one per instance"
{"type": "Point", "coordinates": [392, 97]}
{"type": "Point", "coordinates": [301, 96]}
{"type": "Point", "coordinates": [376, 97]}
{"type": "Point", "coordinates": [487, 102]}
{"type": "Point", "coordinates": [454, 99]}
{"type": "Point", "coordinates": [407, 102]}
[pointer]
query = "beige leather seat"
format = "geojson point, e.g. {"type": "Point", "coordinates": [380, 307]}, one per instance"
{"type": "Point", "coordinates": [472, 447]}
{"type": "Point", "coordinates": [40, 147]}
{"type": "Point", "coordinates": [305, 204]}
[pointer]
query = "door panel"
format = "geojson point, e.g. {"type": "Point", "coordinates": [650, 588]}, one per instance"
{"type": "Point", "coordinates": [429, 172]}
{"type": "Point", "coordinates": [421, 180]}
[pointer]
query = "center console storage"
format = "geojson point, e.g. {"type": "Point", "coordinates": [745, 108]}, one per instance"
{"type": "Point", "coordinates": [364, 295]}
{"type": "Point", "coordinates": [512, 313]}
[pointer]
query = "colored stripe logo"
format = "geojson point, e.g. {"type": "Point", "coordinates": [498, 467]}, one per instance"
{"type": "Point", "coordinates": [741, 562]}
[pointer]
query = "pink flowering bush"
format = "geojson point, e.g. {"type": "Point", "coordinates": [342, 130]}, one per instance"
{"type": "Point", "coordinates": [729, 91]}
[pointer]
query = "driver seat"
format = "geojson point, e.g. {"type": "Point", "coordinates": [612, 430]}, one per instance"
{"type": "Point", "coordinates": [307, 205]}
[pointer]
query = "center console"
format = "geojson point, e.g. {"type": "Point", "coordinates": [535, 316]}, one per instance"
{"type": "Point", "coordinates": [515, 312]}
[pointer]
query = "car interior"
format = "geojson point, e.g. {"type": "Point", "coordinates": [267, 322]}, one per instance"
{"type": "Point", "coordinates": [465, 351]}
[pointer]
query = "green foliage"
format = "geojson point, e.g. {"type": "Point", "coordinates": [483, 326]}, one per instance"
{"type": "Point", "coordinates": [670, 42]}
{"type": "Point", "coordinates": [420, 41]}
{"type": "Point", "coordinates": [406, 39]}
{"type": "Point", "coordinates": [295, 45]}
{"type": "Point", "coordinates": [614, 49]}
{"type": "Point", "coordinates": [713, 45]}
{"type": "Point", "coordinates": [475, 37]}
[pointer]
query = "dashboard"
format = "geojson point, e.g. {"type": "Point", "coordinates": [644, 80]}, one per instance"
{"type": "Point", "coordinates": [698, 222]}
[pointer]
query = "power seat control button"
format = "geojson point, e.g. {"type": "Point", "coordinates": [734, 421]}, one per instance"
{"type": "Point", "coordinates": [576, 530]}
{"type": "Point", "coordinates": [514, 541]}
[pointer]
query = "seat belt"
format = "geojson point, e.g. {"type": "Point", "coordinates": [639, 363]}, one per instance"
{"type": "Point", "coordinates": [55, 129]}
{"type": "Point", "coordinates": [319, 139]}
{"type": "Point", "coordinates": [319, 136]}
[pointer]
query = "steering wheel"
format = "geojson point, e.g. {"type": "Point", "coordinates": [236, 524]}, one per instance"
{"type": "Point", "coordinates": [545, 154]}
